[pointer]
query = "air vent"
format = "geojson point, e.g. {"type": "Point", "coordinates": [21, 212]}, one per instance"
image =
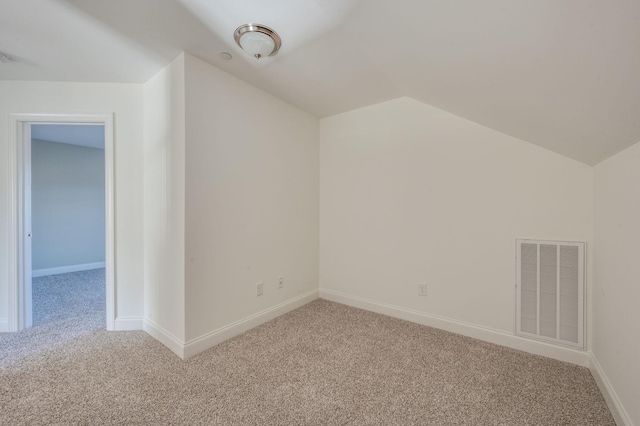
{"type": "Point", "coordinates": [550, 291]}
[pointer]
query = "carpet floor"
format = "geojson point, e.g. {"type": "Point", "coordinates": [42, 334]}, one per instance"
{"type": "Point", "coordinates": [65, 307]}
{"type": "Point", "coordinates": [322, 364]}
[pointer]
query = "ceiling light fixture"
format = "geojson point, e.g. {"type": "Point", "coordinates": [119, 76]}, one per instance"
{"type": "Point", "coordinates": [257, 40]}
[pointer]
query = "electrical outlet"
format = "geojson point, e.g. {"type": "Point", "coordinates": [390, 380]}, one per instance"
{"type": "Point", "coordinates": [280, 282]}
{"type": "Point", "coordinates": [422, 289]}
{"type": "Point", "coordinates": [259, 289]}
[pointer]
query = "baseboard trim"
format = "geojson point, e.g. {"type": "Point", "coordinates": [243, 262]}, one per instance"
{"type": "Point", "coordinates": [66, 269]}
{"type": "Point", "coordinates": [164, 337]}
{"type": "Point", "coordinates": [206, 341]}
{"type": "Point", "coordinates": [490, 335]}
{"type": "Point", "coordinates": [618, 412]}
{"type": "Point", "coordinates": [4, 325]}
{"type": "Point", "coordinates": [128, 323]}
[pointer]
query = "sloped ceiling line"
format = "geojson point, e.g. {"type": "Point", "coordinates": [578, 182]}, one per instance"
{"type": "Point", "coordinates": [562, 75]}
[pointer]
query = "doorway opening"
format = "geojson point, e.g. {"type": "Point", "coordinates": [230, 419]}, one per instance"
{"type": "Point", "coordinates": [68, 224]}
{"type": "Point", "coordinates": [51, 261]}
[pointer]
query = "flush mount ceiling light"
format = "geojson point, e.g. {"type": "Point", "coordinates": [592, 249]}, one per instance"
{"type": "Point", "coordinates": [257, 40]}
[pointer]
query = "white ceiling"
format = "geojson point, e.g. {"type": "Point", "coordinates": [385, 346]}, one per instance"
{"type": "Point", "coordinates": [88, 135]}
{"type": "Point", "coordinates": [564, 75]}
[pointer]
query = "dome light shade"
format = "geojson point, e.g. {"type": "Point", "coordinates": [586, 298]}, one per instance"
{"type": "Point", "coordinates": [257, 40]}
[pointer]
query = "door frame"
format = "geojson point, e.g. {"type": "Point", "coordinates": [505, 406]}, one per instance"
{"type": "Point", "coordinates": [20, 305]}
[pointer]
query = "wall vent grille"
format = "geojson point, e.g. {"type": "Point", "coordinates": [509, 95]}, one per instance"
{"type": "Point", "coordinates": [550, 291]}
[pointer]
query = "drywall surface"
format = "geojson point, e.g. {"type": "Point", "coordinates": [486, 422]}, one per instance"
{"type": "Point", "coordinates": [251, 199]}
{"type": "Point", "coordinates": [164, 145]}
{"type": "Point", "coordinates": [616, 317]}
{"type": "Point", "coordinates": [411, 194]}
{"type": "Point", "coordinates": [125, 101]}
{"type": "Point", "coordinates": [67, 205]}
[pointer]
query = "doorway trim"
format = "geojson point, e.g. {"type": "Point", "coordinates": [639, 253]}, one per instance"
{"type": "Point", "coordinates": [20, 310]}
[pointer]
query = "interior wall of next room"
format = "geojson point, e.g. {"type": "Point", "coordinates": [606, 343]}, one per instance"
{"type": "Point", "coordinates": [67, 205]}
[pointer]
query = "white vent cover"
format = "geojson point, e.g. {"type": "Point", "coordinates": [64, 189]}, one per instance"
{"type": "Point", "coordinates": [550, 291]}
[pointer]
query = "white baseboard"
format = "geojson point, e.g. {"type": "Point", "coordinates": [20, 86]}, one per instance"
{"type": "Point", "coordinates": [164, 337]}
{"type": "Point", "coordinates": [65, 269]}
{"type": "Point", "coordinates": [128, 323]}
{"type": "Point", "coordinates": [4, 325]}
{"type": "Point", "coordinates": [202, 343]}
{"type": "Point", "coordinates": [618, 412]}
{"type": "Point", "coordinates": [490, 335]}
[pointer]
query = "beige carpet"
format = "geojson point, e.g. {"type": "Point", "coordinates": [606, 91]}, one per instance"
{"type": "Point", "coordinates": [65, 307]}
{"type": "Point", "coordinates": [323, 364]}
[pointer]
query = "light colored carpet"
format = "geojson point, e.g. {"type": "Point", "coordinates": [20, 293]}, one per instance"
{"type": "Point", "coordinates": [65, 307]}
{"type": "Point", "coordinates": [322, 364]}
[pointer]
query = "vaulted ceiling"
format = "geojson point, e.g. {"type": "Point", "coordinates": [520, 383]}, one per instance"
{"type": "Point", "coordinates": [564, 75]}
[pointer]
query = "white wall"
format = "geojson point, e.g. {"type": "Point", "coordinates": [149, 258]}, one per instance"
{"type": "Point", "coordinates": [164, 165]}
{"type": "Point", "coordinates": [125, 100]}
{"type": "Point", "coordinates": [67, 205]}
{"type": "Point", "coordinates": [616, 316]}
{"type": "Point", "coordinates": [251, 199]}
{"type": "Point", "coordinates": [410, 193]}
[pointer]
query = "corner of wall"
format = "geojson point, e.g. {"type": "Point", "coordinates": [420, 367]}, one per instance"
{"type": "Point", "coordinates": [193, 347]}
{"type": "Point", "coordinates": [164, 139]}
{"type": "Point", "coordinates": [165, 337]}
{"type": "Point", "coordinates": [618, 411]}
